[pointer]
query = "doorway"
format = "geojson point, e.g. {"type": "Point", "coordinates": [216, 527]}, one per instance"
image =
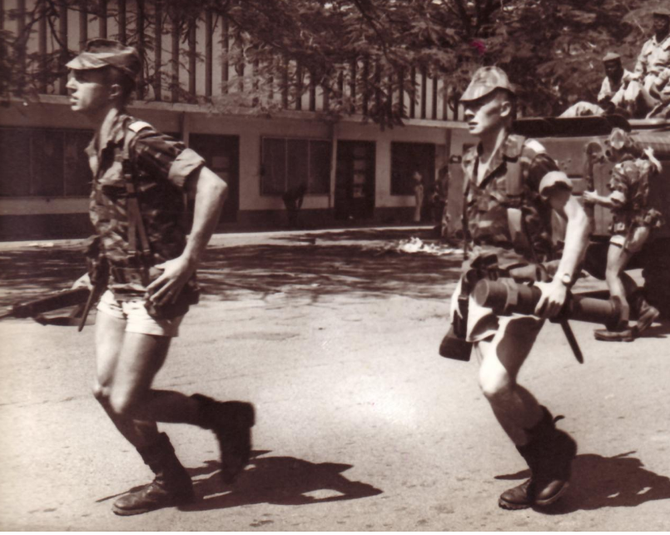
{"type": "Point", "coordinates": [355, 180]}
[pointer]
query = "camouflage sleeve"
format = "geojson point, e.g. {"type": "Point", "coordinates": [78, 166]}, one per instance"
{"type": "Point", "coordinates": [619, 180]}
{"type": "Point", "coordinates": [165, 158]}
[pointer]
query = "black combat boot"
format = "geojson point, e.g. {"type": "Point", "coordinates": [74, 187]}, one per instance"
{"type": "Point", "coordinates": [549, 455]}
{"type": "Point", "coordinates": [231, 422]}
{"type": "Point", "coordinates": [171, 487]}
{"type": "Point", "coordinates": [646, 314]}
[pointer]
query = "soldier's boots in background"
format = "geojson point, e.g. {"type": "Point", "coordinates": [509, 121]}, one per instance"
{"type": "Point", "coordinates": [646, 315]}
{"type": "Point", "coordinates": [549, 454]}
{"type": "Point", "coordinates": [231, 422]}
{"type": "Point", "coordinates": [171, 487]}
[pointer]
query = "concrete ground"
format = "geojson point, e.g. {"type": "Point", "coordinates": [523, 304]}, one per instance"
{"type": "Point", "coordinates": [360, 424]}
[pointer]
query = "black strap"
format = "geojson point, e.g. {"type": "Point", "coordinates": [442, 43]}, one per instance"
{"type": "Point", "coordinates": [135, 222]}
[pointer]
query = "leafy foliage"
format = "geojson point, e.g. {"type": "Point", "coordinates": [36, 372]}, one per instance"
{"type": "Point", "coordinates": [551, 49]}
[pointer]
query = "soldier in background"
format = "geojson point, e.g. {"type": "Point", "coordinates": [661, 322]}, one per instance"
{"type": "Point", "coordinates": [510, 178]}
{"type": "Point", "coordinates": [612, 95]}
{"type": "Point", "coordinates": [653, 60]}
{"type": "Point", "coordinates": [137, 208]}
{"type": "Point", "coordinates": [632, 223]}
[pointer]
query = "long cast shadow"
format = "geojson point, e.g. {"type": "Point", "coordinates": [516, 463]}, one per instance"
{"type": "Point", "coordinates": [597, 482]}
{"type": "Point", "coordinates": [276, 480]}
{"type": "Point", "coordinates": [302, 270]}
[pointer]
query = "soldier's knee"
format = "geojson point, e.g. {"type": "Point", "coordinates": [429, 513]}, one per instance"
{"type": "Point", "coordinates": [100, 392]}
{"type": "Point", "coordinates": [121, 404]}
{"type": "Point", "coordinates": [495, 385]}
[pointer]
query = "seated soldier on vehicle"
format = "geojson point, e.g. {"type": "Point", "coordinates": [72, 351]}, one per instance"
{"type": "Point", "coordinates": [612, 91]}
{"type": "Point", "coordinates": [653, 60]}
{"type": "Point", "coordinates": [632, 223]}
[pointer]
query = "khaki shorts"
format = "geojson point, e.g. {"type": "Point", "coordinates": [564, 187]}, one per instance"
{"type": "Point", "coordinates": [633, 241]}
{"type": "Point", "coordinates": [137, 318]}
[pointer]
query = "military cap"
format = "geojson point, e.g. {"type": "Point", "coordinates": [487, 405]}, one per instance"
{"type": "Point", "coordinates": [484, 81]}
{"type": "Point", "coordinates": [661, 12]}
{"type": "Point", "coordinates": [611, 56]}
{"type": "Point", "coordinates": [100, 53]}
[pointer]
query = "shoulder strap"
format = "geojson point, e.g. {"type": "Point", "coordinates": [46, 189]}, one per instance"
{"type": "Point", "coordinates": [514, 180]}
{"type": "Point", "coordinates": [135, 222]}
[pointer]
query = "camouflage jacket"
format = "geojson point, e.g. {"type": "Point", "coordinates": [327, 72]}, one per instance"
{"type": "Point", "coordinates": [631, 178]}
{"type": "Point", "coordinates": [159, 167]}
{"type": "Point", "coordinates": [486, 204]}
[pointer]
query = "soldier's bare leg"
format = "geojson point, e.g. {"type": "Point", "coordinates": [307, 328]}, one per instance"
{"type": "Point", "coordinates": [617, 258]}
{"type": "Point", "coordinates": [547, 450]}
{"type": "Point", "coordinates": [501, 359]}
{"type": "Point", "coordinates": [109, 337]}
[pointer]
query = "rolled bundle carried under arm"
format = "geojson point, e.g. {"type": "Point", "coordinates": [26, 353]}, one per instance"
{"type": "Point", "coordinates": [506, 297]}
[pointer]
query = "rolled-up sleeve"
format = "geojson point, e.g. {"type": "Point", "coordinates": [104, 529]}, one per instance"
{"type": "Point", "coordinates": [183, 165]}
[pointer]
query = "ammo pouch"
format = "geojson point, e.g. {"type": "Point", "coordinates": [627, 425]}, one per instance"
{"type": "Point", "coordinates": [454, 345]}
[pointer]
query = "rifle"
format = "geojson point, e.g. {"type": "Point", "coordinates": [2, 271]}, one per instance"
{"type": "Point", "coordinates": [35, 308]}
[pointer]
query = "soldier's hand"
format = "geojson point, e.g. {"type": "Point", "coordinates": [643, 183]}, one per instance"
{"type": "Point", "coordinates": [552, 299]}
{"type": "Point", "coordinates": [167, 287]}
{"type": "Point", "coordinates": [83, 282]}
{"type": "Point", "coordinates": [589, 196]}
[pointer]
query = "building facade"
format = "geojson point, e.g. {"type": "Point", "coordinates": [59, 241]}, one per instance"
{"type": "Point", "coordinates": [262, 135]}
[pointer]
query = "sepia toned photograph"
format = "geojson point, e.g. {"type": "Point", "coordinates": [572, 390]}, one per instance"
{"type": "Point", "coordinates": [334, 265]}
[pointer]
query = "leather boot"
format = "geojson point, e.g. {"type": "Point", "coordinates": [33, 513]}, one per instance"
{"type": "Point", "coordinates": [231, 422]}
{"type": "Point", "coordinates": [646, 314]}
{"type": "Point", "coordinates": [605, 335]}
{"type": "Point", "coordinates": [549, 455]}
{"type": "Point", "coordinates": [171, 487]}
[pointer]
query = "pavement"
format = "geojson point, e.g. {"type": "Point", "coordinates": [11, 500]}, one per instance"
{"type": "Point", "coordinates": [361, 426]}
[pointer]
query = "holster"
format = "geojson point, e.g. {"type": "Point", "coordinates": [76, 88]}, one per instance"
{"type": "Point", "coordinates": [454, 344]}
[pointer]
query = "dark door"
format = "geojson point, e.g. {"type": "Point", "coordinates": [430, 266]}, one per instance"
{"type": "Point", "coordinates": [355, 180]}
{"type": "Point", "coordinates": [222, 156]}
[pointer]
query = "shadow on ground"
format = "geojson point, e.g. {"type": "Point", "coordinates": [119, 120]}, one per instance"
{"type": "Point", "coordinates": [597, 482]}
{"type": "Point", "coordinates": [367, 265]}
{"type": "Point", "coordinates": [276, 480]}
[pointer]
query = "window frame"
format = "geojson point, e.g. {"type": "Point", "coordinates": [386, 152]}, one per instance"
{"type": "Point", "coordinates": [286, 139]}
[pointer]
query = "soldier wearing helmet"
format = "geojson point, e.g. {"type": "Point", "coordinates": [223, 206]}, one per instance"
{"type": "Point", "coordinates": [511, 189]}
{"type": "Point", "coordinates": [147, 263]}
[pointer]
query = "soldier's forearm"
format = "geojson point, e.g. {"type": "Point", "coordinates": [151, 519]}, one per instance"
{"type": "Point", "coordinates": [210, 194]}
{"type": "Point", "coordinates": [577, 237]}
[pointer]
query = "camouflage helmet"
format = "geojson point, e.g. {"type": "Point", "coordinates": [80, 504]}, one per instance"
{"type": "Point", "coordinates": [486, 80]}
{"type": "Point", "coordinates": [99, 53]}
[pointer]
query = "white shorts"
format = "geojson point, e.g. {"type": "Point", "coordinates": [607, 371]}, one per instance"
{"type": "Point", "coordinates": [137, 318]}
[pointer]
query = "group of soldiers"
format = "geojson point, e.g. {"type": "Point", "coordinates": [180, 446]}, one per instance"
{"type": "Point", "coordinates": [644, 92]}
{"type": "Point", "coordinates": [143, 264]}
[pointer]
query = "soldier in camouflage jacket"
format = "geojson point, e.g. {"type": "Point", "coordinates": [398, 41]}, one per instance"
{"type": "Point", "coordinates": [140, 178]}
{"type": "Point", "coordinates": [511, 190]}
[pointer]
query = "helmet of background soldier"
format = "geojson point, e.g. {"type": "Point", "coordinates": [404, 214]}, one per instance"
{"type": "Point", "coordinates": [485, 81]}
{"type": "Point", "coordinates": [99, 53]}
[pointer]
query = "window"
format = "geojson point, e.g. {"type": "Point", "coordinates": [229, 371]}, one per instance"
{"type": "Point", "coordinates": [44, 162]}
{"type": "Point", "coordinates": [287, 163]}
{"type": "Point", "coordinates": [407, 158]}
